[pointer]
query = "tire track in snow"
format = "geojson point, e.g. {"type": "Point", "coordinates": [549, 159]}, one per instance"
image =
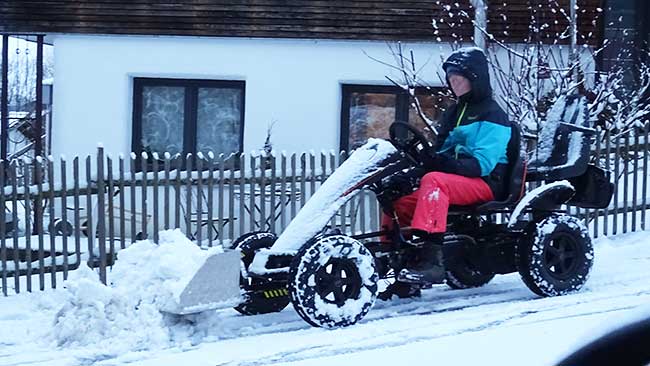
{"type": "Point", "coordinates": [383, 311]}
{"type": "Point", "coordinates": [403, 338]}
{"type": "Point", "coordinates": [307, 353]}
{"type": "Point", "coordinates": [444, 300]}
{"type": "Point", "coordinates": [295, 356]}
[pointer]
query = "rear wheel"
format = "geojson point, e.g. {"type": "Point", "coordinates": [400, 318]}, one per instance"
{"type": "Point", "coordinates": [59, 227]}
{"type": "Point", "coordinates": [259, 296]}
{"type": "Point", "coordinates": [333, 281]}
{"type": "Point", "coordinates": [462, 275]}
{"type": "Point", "coordinates": [557, 258]}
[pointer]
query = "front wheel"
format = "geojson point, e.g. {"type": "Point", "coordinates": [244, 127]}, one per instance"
{"type": "Point", "coordinates": [558, 256]}
{"type": "Point", "coordinates": [260, 296]}
{"type": "Point", "coordinates": [333, 281]}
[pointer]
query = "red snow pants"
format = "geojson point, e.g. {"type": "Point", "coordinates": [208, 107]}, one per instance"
{"type": "Point", "coordinates": [426, 209]}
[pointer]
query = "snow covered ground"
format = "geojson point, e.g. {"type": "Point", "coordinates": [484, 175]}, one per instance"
{"type": "Point", "coordinates": [502, 323]}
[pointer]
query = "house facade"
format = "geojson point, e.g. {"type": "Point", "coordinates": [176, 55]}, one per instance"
{"type": "Point", "coordinates": [236, 89]}
{"type": "Point", "coordinates": [197, 76]}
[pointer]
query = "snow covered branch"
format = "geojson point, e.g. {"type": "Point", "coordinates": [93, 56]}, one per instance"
{"type": "Point", "coordinates": [531, 75]}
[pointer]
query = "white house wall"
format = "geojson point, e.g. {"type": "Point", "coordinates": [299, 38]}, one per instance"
{"type": "Point", "coordinates": [294, 83]}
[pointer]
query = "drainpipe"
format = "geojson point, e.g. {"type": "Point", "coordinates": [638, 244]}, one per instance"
{"type": "Point", "coordinates": [574, 37]}
{"type": "Point", "coordinates": [480, 18]}
{"type": "Point", "coordinates": [4, 99]}
{"type": "Point", "coordinates": [38, 150]}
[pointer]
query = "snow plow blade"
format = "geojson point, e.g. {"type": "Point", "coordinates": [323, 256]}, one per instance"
{"type": "Point", "coordinates": [214, 286]}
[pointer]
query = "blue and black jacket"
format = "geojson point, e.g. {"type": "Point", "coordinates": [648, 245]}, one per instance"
{"type": "Point", "coordinates": [475, 132]}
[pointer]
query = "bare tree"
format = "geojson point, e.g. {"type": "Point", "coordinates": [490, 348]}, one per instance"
{"type": "Point", "coordinates": [22, 71]}
{"type": "Point", "coordinates": [531, 75]}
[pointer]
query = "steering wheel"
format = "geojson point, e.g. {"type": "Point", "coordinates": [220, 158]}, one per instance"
{"type": "Point", "coordinates": [409, 140]}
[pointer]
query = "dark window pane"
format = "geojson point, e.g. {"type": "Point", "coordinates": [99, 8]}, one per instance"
{"type": "Point", "coordinates": [219, 120]}
{"type": "Point", "coordinates": [163, 110]}
{"type": "Point", "coordinates": [371, 114]}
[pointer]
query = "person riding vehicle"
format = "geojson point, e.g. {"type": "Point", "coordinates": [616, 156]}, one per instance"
{"type": "Point", "coordinates": [468, 169]}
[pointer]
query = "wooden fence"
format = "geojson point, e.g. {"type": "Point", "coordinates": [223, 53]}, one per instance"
{"type": "Point", "coordinates": [59, 214]}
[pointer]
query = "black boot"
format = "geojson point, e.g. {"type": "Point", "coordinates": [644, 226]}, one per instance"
{"type": "Point", "coordinates": [401, 290]}
{"type": "Point", "coordinates": [427, 266]}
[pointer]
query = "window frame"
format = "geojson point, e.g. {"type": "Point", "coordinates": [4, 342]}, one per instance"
{"type": "Point", "coordinates": [190, 115]}
{"type": "Point", "coordinates": [402, 102]}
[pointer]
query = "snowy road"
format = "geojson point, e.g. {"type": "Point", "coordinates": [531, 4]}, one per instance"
{"type": "Point", "coordinates": [502, 323]}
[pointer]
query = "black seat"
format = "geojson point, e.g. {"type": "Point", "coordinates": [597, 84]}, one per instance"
{"type": "Point", "coordinates": [564, 141]}
{"type": "Point", "coordinates": [515, 177]}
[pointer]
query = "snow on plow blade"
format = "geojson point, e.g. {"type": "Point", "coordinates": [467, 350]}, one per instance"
{"type": "Point", "coordinates": [214, 286]}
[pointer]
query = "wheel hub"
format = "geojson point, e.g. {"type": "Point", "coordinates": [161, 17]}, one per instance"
{"type": "Point", "coordinates": [338, 281]}
{"type": "Point", "coordinates": [560, 257]}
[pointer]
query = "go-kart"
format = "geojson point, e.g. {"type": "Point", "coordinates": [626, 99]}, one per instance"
{"type": "Point", "coordinates": [332, 279]}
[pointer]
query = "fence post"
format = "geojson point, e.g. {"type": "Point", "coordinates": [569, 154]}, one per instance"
{"type": "Point", "coordinates": [156, 221]}
{"type": "Point", "coordinates": [50, 198]}
{"type": "Point", "coordinates": [617, 157]}
{"type": "Point", "coordinates": [110, 195]}
{"type": "Point", "coordinates": [251, 195]}
{"type": "Point", "coordinates": [210, 202]}
{"type": "Point", "coordinates": [77, 207]}
{"type": "Point", "coordinates": [283, 191]}
{"type": "Point", "coordinates": [90, 228]}
{"type": "Point", "coordinates": [177, 194]}
{"type": "Point", "coordinates": [14, 216]}
{"type": "Point", "coordinates": [166, 204]}
{"type": "Point", "coordinates": [101, 211]}
{"type": "Point", "coordinates": [597, 211]}
{"type": "Point", "coordinates": [143, 184]}
{"type": "Point", "coordinates": [3, 229]}
{"type": "Point", "coordinates": [38, 218]}
{"type": "Point", "coordinates": [133, 213]}
{"type": "Point", "coordinates": [635, 178]}
{"type": "Point", "coordinates": [626, 178]}
{"type": "Point", "coordinates": [303, 179]}
{"type": "Point", "coordinates": [122, 190]}
{"type": "Point", "coordinates": [28, 222]}
{"type": "Point", "coordinates": [64, 217]}
{"type": "Point", "coordinates": [220, 201]}
{"type": "Point", "coordinates": [312, 167]}
{"type": "Point", "coordinates": [188, 195]}
{"type": "Point", "coordinates": [273, 203]}
{"type": "Point", "coordinates": [609, 168]}
{"type": "Point", "coordinates": [263, 217]}
{"type": "Point", "coordinates": [242, 196]}
{"type": "Point", "coordinates": [231, 195]}
{"type": "Point", "coordinates": [644, 189]}
{"type": "Point", "coordinates": [295, 192]}
{"type": "Point", "coordinates": [199, 197]}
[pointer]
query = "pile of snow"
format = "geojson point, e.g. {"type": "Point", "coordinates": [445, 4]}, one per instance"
{"type": "Point", "coordinates": [126, 316]}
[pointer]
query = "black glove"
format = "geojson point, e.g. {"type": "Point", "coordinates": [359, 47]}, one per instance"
{"type": "Point", "coordinates": [401, 184]}
{"type": "Point", "coordinates": [436, 162]}
{"type": "Point", "coordinates": [465, 165]}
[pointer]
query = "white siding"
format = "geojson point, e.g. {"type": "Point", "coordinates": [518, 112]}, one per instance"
{"type": "Point", "coordinates": [296, 83]}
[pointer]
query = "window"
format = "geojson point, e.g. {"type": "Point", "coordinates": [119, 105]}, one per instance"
{"type": "Point", "coordinates": [188, 116]}
{"type": "Point", "coordinates": [368, 111]}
